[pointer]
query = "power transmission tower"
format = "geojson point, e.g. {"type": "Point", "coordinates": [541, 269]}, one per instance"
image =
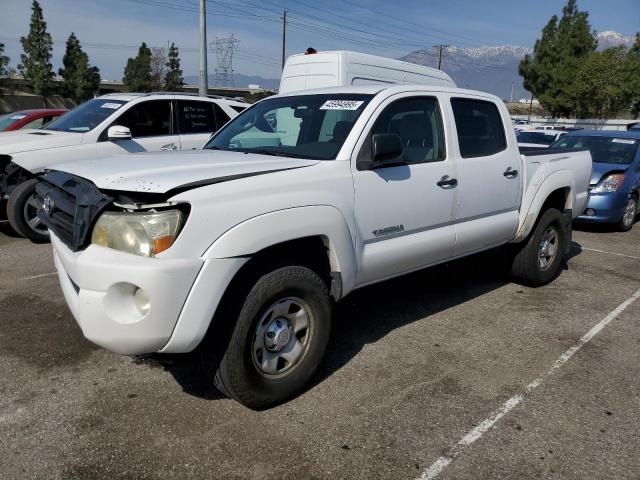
{"type": "Point", "coordinates": [224, 48]}
{"type": "Point", "coordinates": [204, 83]}
{"type": "Point", "coordinates": [441, 48]}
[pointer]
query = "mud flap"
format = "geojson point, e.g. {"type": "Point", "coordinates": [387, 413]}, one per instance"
{"type": "Point", "coordinates": [568, 229]}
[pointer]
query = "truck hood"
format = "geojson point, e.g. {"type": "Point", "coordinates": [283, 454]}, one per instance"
{"type": "Point", "coordinates": [29, 140]}
{"type": "Point", "coordinates": [599, 170]}
{"type": "Point", "coordinates": [165, 171]}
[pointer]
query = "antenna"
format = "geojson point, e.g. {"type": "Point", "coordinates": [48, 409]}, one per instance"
{"type": "Point", "coordinates": [224, 47]}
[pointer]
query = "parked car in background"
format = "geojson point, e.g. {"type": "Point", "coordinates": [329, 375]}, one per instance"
{"type": "Point", "coordinates": [634, 127]}
{"type": "Point", "coordinates": [109, 125]}
{"type": "Point", "coordinates": [533, 139]}
{"type": "Point", "coordinates": [615, 178]}
{"type": "Point", "coordinates": [29, 118]}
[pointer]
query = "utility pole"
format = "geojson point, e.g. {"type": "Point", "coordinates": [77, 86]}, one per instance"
{"type": "Point", "coordinates": [284, 36]}
{"type": "Point", "coordinates": [441, 48]}
{"type": "Point", "coordinates": [530, 108]}
{"type": "Point", "coordinates": [204, 87]}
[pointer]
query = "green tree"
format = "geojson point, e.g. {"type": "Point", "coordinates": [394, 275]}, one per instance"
{"type": "Point", "coordinates": [632, 76]}
{"type": "Point", "coordinates": [550, 73]}
{"type": "Point", "coordinates": [137, 73]}
{"type": "Point", "coordinates": [80, 80]}
{"type": "Point", "coordinates": [4, 64]}
{"type": "Point", "coordinates": [173, 79]}
{"type": "Point", "coordinates": [601, 84]}
{"type": "Point", "coordinates": [35, 63]}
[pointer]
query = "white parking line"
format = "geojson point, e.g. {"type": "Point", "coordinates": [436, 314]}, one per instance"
{"type": "Point", "coordinates": [610, 253]}
{"type": "Point", "coordinates": [476, 433]}
{"type": "Point", "coordinates": [33, 277]}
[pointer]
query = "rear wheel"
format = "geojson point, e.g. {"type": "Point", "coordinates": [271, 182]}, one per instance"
{"type": "Point", "coordinates": [629, 215]}
{"type": "Point", "coordinates": [278, 340]}
{"type": "Point", "coordinates": [22, 209]}
{"type": "Point", "coordinates": [537, 261]}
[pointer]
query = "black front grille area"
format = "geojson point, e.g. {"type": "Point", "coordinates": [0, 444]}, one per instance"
{"type": "Point", "coordinates": [69, 206]}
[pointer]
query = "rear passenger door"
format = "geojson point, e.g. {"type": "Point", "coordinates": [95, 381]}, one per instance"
{"type": "Point", "coordinates": [489, 189]}
{"type": "Point", "coordinates": [197, 121]}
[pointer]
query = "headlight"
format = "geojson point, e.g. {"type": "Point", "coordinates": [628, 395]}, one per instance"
{"type": "Point", "coordinates": [610, 183]}
{"type": "Point", "coordinates": [145, 234]}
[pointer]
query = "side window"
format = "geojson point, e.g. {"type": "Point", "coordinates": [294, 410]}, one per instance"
{"type": "Point", "coordinates": [418, 122]}
{"type": "Point", "coordinates": [237, 108]}
{"type": "Point", "coordinates": [147, 119]}
{"type": "Point", "coordinates": [196, 117]}
{"type": "Point", "coordinates": [221, 116]}
{"type": "Point", "coordinates": [37, 123]}
{"type": "Point", "coordinates": [480, 129]}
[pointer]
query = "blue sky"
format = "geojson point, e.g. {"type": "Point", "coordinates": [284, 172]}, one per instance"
{"type": "Point", "coordinates": [111, 29]}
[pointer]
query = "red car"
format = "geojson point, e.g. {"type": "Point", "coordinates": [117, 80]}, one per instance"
{"type": "Point", "coordinates": [29, 118]}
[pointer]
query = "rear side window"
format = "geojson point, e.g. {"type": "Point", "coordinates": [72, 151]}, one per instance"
{"type": "Point", "coordinates": [480, 129]}
{"type": "Point", "coordinates": [196, 117]}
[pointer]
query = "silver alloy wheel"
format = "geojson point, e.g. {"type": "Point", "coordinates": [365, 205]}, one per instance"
{"type": "Point", "coordinates": [282, 337]}
{"type": "Point", "coordinates": [629, 212]}
{"type": "Point", "coordinates": [30, 213]}
{"type": "Point", "coordinates": [548, 248]}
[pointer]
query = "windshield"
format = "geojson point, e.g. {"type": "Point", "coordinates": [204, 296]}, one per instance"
{"type": "Point", "coordinates": [603, 149]}
{"type": "Point", "coordinates": [86, 116]}
{"type": "Point", "coordinates": [535, 137]}
{"type": "Point", "coordinates": [304, 126]}
{"type": "Point", "coordinates": [7, 120]}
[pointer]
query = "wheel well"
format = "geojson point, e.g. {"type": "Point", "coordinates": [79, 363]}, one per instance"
{"type": "Point", "coordinates": [558, 199]}
{"type": "Point", "coordinates": [310, 252]}
{"type": "Point", "coordinates": [11, 175]}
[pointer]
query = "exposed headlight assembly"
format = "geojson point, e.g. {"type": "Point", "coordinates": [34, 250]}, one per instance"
{"type": "Point", "coordinates": [610, 183]}
{"type": "Point", "coordinates": [140, 233]}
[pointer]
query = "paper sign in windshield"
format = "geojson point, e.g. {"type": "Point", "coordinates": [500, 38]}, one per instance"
{"type": "Point", "coordinates": [623, 140]}
{"type": "Point", "coordinates": [341, 105]}
{"type": "Point", "coordinates": [112, 106]}
{"type": "Point", "coordinates": [18, 117]}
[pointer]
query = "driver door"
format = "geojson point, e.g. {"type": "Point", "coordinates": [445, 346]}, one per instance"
{"type": "Point", "coordinates": [405, 214]}
{"type": "Point", "coordinates": [151, 128]}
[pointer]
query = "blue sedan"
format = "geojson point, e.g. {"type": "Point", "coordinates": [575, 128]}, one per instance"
{"type": "Point", "coordinates": [615, 177]}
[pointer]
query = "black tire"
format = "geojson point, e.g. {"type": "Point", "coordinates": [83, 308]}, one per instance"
{"type": "Point", "coordinates": [20, 212]}
{"type": "Point", "coordinates": [526, 266]}
{"type": "Point", "coordinates": [626, 223]}
{"type": "Point", "coordinates": [237, 373]}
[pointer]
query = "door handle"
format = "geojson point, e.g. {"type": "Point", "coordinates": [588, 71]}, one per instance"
{"type": "Point", "coordinates": [169, 146]}
{"type": "Point", "coordinates": [510, 173]}
{"type": "Point", "coordinates": [447, 181]}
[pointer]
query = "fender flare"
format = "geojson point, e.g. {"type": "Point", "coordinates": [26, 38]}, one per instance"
{"type": "Point", "coordinates": [561, 179]}
{"type": "Point", "coordinates": [269, 229]}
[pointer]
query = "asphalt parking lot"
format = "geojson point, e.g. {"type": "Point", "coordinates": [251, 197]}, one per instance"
{"type": "Point", "coordinates": [453, 372]}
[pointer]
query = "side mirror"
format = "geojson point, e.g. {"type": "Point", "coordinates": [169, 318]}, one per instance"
{"type": "Point", "coordinates": [118, 132]}
{"type": "Point", "coordinates": [386, 149]}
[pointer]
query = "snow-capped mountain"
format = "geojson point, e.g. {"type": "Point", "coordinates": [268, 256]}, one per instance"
{"type": "Point", "coordinates": [610, 39]}
{"type": "Point", "coordinates": [494, 69]}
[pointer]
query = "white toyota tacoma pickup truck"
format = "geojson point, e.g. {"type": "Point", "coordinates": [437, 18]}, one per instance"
{"type": "Point", "coordinates": [240, 249]}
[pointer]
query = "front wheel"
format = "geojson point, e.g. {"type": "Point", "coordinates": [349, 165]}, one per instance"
{"type": "Point", "coordinates": [278, 339]}
{"type": "Point", "coordinates": [22, 210]}
{"type": "Point", "coordinates": [537, 261]}
{"type": "Point", "coordinates": [629, 215]}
